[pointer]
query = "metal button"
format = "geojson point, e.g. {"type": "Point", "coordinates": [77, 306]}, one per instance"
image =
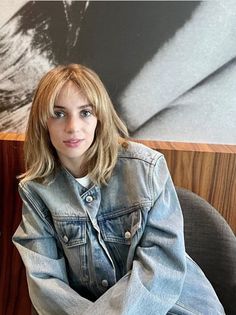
{"type": "Point", "coordinates": [89, 199]}
{"type": "Point", "coordinates": [127, 235]}
{"type": "Point", "coordinates": [104, 283]}
{"type": "Point", "coordinates": [65, 238]}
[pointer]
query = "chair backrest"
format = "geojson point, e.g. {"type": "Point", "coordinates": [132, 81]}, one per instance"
{"type": "Point", "coordinates": [212, 244]}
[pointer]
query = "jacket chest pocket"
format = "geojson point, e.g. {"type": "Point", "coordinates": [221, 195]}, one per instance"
{"type": "Point", "coordinates": [71, 231]}
{"type": "Point", "coordinates": [121, 226]}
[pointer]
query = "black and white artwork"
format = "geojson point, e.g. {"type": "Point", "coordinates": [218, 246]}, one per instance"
{"type": "Point", "coordinates": [169, 66]}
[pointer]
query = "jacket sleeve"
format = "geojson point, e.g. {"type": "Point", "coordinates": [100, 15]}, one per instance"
{"type": "Point", "coordinates": [46, 273]}
{"type": "Point", "coordinates": [154, 282]}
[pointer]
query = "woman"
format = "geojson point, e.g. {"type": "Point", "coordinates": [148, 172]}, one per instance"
{"type": "Point", "coordinates": [101, 229]}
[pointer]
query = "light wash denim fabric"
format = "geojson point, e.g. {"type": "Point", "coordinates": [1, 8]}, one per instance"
{"type": "Point", "coordinates": [115, 249]}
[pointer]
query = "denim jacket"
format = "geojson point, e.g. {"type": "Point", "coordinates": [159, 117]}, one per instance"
{"type": "Point", "coordinates": [115, 249]}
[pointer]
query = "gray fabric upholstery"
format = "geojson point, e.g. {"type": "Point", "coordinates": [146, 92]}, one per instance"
{"type": "Point", "coordinates": [212, 244]}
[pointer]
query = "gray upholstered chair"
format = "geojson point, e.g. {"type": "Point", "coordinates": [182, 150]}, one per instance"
{"type": "Point", "coordinates": [212, 244]}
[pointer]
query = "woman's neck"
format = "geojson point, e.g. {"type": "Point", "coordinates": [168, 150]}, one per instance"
{"type": "Point", "coordinates": [76, 171]}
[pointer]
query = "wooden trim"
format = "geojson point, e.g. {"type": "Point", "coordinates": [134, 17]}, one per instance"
{"type": "Point", "coordinates": [185, 146]}
{"type": "Point", "coordinates": [12, 136]}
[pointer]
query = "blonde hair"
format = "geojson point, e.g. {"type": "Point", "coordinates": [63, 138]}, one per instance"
{"type": "Point", "coordinates": [41, 159]}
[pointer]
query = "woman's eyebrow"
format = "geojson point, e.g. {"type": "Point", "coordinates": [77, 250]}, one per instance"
{"type": "Point", "coordinates": [80, 107]}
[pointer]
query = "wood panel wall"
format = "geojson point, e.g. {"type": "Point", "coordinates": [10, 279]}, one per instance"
{"type": "Point", "coordinates": [208, 170]}
{"type": "Point", "coordinates": [14, 299]}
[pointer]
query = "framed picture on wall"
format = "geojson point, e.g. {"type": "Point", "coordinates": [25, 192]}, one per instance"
{"type": "Point", "coordinates": [169, 66]}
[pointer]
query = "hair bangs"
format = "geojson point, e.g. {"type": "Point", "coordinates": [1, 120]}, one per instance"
{"type": "Point", "coordinates": [88, 88]}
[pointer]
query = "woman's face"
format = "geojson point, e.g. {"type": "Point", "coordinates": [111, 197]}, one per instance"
{"type": "Point", "coordinates": [72, 127]}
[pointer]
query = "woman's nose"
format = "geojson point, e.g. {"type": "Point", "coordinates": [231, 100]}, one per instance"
{"type": "Point", "coordinates": [72, 125]}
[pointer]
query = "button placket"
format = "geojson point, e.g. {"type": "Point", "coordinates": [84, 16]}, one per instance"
{"type": "Point", "coordinates": [93, 201]}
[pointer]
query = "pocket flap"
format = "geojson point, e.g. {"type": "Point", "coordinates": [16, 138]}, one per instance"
{"type": "Point", "coordinates": [121, 227]}
{"type": "Point", "coordinates": [72, 232]}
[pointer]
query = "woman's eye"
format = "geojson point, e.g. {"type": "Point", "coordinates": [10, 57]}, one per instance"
{"type": "Point", "coordinates": [85, 113]}
{"type": "Point", "coordinates": [59, 114]}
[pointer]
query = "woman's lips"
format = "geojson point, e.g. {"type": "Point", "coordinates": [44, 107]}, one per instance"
{"type": "Point", "coordinates": [73, 143]}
